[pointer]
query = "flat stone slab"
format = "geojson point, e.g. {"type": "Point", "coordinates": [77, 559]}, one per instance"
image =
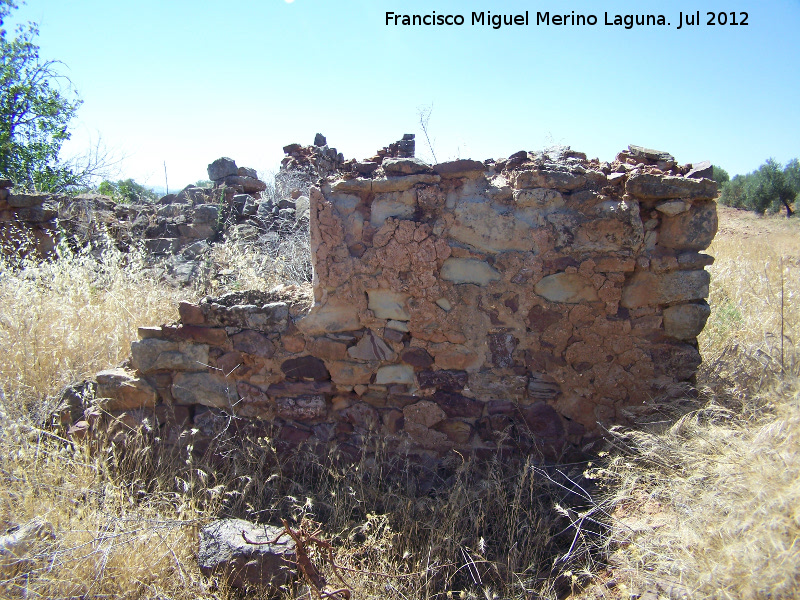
{"type": "Point", "coordinates": [405, 166]}
{"type": "Point", "coordinates": [569, 288]}
{"type": "Point", "coordinates": [469, 270]}
{"type": "Point", "coordinates": [657, 187]}
{"type": "Point", "coordinates": [387, 304]}
{"type": "Point", "coordinates": [650, 153]}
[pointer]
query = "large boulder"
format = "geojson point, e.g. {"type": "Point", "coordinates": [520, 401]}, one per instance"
{"type": "Point", "coordinates": [221, 168]}
{"type": "Point", "coordinates": [225, 550]}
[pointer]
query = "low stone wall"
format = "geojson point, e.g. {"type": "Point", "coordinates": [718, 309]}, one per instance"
{"type": "Point", "coordinates": [165, 228]}
{"type": "Point", "coordinates": [27, 221]}
{"type": "Point", "coordinates": [528, 302]}
{"type": "Point", "coordinates": [179, 227]}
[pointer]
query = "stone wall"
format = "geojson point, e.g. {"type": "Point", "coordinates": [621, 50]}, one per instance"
{"type": "Point", "coordinates": [182, 224]}
{"type": "Point", "coordinates": [27, 221]}
{"type": "Point", "coordinates": [167, 227]}
{"type": "Point", "coordinates": [527, 303]}
{"type": "Point", "coordinates": [178, 230]}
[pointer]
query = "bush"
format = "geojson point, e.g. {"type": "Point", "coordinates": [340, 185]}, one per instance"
{"type": "Point", "coordinates": [127, 191]}
{"type": "Point", "coordinates": [720, 175]}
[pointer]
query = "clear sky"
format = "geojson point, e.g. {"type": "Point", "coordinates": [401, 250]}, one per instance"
{"type": "Point", "coordinates": [187, 81]}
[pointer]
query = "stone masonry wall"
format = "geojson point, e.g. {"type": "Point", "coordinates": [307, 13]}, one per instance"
{"type": "Point", "coordinates": [27, 221]}
{"type": "Point", "coordinates": [528, 302]}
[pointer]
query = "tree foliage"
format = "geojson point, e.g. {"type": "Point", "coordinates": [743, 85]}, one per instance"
{"type": "Point", "coordinates": [127, 191]}
{"type": "Point", "coordinates": [37, 104]}
{"type": "Point", "coordinates": [792, 173]}
{"type": "Point", "coordinates": [767, 189]}
{"type": "Point", "coordinates": [719, 175]}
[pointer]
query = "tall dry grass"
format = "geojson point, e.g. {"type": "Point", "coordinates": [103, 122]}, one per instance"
{"type": "Point", "coordinates": [755, 309]}
{"type": "Point", "coordinates": [705, 508]}
{"type": "Point", "coordinates": [125, 519]}
{"type": "Point", "coordinates": [710, 507]}
{"type": "Point", "coordinates": [281, 257]}
{"type": "Point", "coordinates": [63, 320]}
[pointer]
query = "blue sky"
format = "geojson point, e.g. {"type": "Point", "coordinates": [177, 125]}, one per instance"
{"type": "Point", "coordinates": [187, 81]}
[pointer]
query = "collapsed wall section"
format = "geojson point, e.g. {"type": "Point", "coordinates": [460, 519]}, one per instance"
{"type": "Point", "coordinates": [528, 302]}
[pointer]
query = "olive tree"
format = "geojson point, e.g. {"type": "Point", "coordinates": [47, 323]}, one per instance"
{"type": "Point", "coordinates": [769, 188]}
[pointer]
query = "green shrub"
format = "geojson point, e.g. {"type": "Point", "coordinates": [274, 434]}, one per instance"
{"type": "Point", "coordinates": [720, 175]}
{"type": "Point", "coordinates": [127, 191]}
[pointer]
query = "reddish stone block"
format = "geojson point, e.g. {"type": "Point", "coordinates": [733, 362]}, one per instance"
{"type": "Point", "coordinates": [173, 415]}
{"type": "Point", "coordinates": [252, 342]}
{"type": "Point", "coordinates": [456, 405]}
{"type": "Point", "coordinates": [250, 394]}
{"type": "Point", "coordinates": [328, 349]}
{"type": "Point", "coordinates": [343, 431]}
{"type": "Point", "coordinates": [456, 431]}
{"type": "Point", "coordinates": [231, 363]}
{"type": "Point", "coordinates": [544, 423]}
{"type": "Point", "coordinates": [214, 336]}
{"type": "Point", "coordinates": [361, 415]}
{"type": "Point", "coordinates": [450, 380]}
{"type": "Point", "coordinates": [393, 421]}
{"type": "Point", "coordinates": [500, 407]}
{"type": "Point", "coordinates": [393, 335]}
{"type": "Point", "coordinates": [417, 357]}
{"type": "Point", "coordinates": [191, 314]}
{"type": "Point", "coordinates": [305, 367]}
{"type": "Point", "coordinates": [293, 436]}
{"type": "Point", "coordinates": [300, 388]}
{"type": "Point", "coordinates": [613, 264]}
{"type": "Point", "coordinates": [293, 344]}
{"type": "Point", "coordinates": [540, 318]}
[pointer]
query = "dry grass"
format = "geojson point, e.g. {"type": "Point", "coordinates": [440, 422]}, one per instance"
{"type": "Point", "coordinates": [114, 537]}
{"type": "Point", "coordinates": [755, 297]}
{"type": "Point", "coordinates": [125, 518]}
{"type": "Point", "coordinates": [706, 508]}
{"type": "Point", "coordinates": [282, 257]}
{"type": "Point", "coordinates": [710, 508]}
{"type": "Point", "coordinates": [64, 320]}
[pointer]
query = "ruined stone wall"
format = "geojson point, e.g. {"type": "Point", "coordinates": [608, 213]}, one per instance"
{"type": "Point", "coordinates": [165, 227]}
{"type": "Point", "coordinates": [180, 226]}
{"type": "Point", "coordinates": [27, 221]}
{"type": "Point", "coordinates": [176, 233]}
{"type": "Point", "coordinates": [527, 302]}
